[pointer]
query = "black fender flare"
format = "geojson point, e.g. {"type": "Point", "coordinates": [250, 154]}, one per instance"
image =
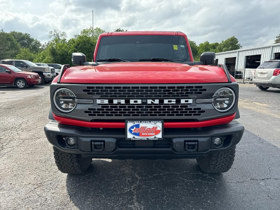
{"type": "Point", "coordinates": [51, 115]}
{"type": "Point", "coordinates": [237, 116]}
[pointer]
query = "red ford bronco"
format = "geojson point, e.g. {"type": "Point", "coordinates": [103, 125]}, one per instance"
{"type": "Point", "coordinates": [143, 96]}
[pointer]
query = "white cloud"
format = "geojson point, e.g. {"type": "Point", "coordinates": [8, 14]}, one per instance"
{"type": "Point", "coordinates": [253, 22]}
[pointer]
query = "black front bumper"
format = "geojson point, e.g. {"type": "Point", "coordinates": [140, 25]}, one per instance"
{"type": "Point", "coordinates": [111, 143]}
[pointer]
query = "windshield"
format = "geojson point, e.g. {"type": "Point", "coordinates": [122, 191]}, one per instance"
{"type": "Point", "coordinates": [30, 63]}
{"type": "Point", "coordinates": [56, 66]}
{"type": "Point", "coordinates": [143, 48]}
{"type": "Point", "coordinates": [269, 65]}
{"type": "Point", "coordinates": [13, 68]}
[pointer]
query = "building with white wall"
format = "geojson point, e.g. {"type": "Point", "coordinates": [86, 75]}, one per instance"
{"type": "Point", "coordinates": [246, 60]}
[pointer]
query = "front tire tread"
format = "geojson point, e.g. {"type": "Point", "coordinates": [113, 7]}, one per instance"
{"type": "Point", "coordinates": [217, 162]}
{"type": "Point", "coordinates": [71, 163]}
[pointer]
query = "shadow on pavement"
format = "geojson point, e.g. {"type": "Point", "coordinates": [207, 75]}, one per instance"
{"type": "Point", "coordinates": [148, 184]}
{"type": "Point", "coordinates": [252, 183]}
{"type": "Point", "coordinates": [11, 88]}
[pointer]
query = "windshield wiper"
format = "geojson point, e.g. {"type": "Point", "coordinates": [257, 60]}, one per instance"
{"type": "Point", "coordinates": [111, 60]}
{"type": "Point", "coordinates": [155, 59]}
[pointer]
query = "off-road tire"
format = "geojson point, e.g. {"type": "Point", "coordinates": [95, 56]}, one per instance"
{"type": "Point", "coordinates": [217, 162]}
{"type": "Point", "coordinates": [21, 83]}
{"type": "Point", "coordinates": [71, 163]}
{"type": "Point", "coordinates": [262, 88]}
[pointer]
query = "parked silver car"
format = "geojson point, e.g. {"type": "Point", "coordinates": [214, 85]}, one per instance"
{"type": "Point", "coordinates": [267, 75]}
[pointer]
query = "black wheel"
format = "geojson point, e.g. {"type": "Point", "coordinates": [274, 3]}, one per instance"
{"type": "Point", "coordinates": [217, 162]}
{"type": "Point", "coordinates": [71, 163]}
{"type": "Point", "coordinates": [21, 83]}
{"type": "Point", "coordinates": [262, 87]}
{"type": "Point", "coordinates": [42, 79]}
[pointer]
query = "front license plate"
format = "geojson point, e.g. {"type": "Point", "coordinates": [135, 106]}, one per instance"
{"type": "Point", "coordinates": [144, 130]}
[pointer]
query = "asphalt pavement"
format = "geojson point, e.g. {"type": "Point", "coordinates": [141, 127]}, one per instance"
{"type": "Point", "coordinates": [29, 178]}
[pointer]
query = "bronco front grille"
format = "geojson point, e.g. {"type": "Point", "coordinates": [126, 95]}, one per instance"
{"type": "Point", "coordinates": [147, 91]}
{"type": "Point", "coordinates": [144, 92]}
{"type": "Point", "coordinates": [165, 111]}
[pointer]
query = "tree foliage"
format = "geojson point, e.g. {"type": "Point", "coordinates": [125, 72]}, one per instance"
{"type": "Point", "coordinates": [25, 54]}
{"type": "Point", "coordinates": [26, 41]}
{"type": "Point", "coordinates": [231, 43]}
{"type": "Point", "coordinates": [83, 44]}
{"type": "Point", "coordinates": [9, 47]}
{"type": "Point", "coordinates": [194, 48]}
{"type": "Point", "coordinates": [59, 49]}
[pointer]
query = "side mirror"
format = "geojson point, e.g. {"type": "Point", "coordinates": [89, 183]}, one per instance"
{"type": "Point", "coordinates": [78, 59]}
{"type": "Point", "coordinates": [208, 58]}
{"type": "Point", "coordinates": [8, 71]}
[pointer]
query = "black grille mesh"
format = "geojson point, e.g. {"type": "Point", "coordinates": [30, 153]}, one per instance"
{"type": "Point", "coordinates": [151, 91]}
{"type": "Point", "coordinates": [166, 111]}
{"type": "Point", "coordinates": [136, 111]}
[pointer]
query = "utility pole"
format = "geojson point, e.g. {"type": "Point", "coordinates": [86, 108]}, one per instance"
{"type": "Point", "coordinates": [92, 23]}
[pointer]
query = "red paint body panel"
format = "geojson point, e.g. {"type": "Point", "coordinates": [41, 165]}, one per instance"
{"type": "Point", "coordinates": [144, 72]}
{"type": "Point", "coordinates": [219, 121]}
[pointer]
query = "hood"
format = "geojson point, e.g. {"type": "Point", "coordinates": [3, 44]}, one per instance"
{"type": "Point", "coordinates": [26, 73]}
{"type": "Point", "coordinates": [42, 68]}
{"type": "Point", "coordinates": [144, 72]}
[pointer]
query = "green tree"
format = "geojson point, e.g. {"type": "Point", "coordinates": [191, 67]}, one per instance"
{"type": "Point", "coordinates": [97, 32]}
{"type": "Point", "coordinates": [57, 36]}
{"type": "Point", "coordinates": [277, 39]}
{"type": "Point", "coordinates": [89, 33]}
{"type": "Point", "coordinates": [26, 41]}
{"type": "Point", "coordinates": [207, 47]}
{"type": "Point", "coordinates": [84, 44]}
{"type": "Point", "coordinates": [231, 43]}
{"type": "Point", "coordinates": [25, 54]}
{"type": "Point", "coordinates": [194, 48]}
{"type": "Point", "coordinates": [9, 47]}
{"type": "Point", "coordinates": [44, 57]}
{"type": "Point", "coordinates": [59, 49]}
{"type": "Point", "coordinates": [204, 47]}
{"type": "Point", "coordinates": [56, 51]}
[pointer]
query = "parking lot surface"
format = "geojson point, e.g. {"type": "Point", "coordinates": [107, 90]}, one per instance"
{"type": "Point", "coordinates": [29, 178]}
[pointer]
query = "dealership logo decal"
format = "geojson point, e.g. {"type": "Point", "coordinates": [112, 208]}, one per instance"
{"type": "Point", "coordinates": [144, 131]}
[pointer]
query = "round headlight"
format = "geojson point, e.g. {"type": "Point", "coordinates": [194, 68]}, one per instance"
{"type": "Point", "coordinates": [64, 100]}
{"type": "Point", "coordinates": [223, 99]}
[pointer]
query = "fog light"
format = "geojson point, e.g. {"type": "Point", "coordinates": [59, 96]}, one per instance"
{"type": "Point", "coordinates": [217, 141]}
{"type": "Point", "coordinates": [70, 141]}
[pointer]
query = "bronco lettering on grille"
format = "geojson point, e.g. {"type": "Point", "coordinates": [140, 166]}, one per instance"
{"type": "Point", "coordinates": [144, 101]}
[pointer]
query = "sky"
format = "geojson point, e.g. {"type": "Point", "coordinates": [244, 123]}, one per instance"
{"type": "Point", "coordinates": [254, 22]}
